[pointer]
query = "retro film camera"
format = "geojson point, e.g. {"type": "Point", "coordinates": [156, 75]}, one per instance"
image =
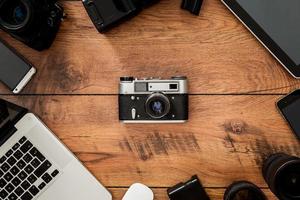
{"type": "Point", "coordinates": [153, 100]}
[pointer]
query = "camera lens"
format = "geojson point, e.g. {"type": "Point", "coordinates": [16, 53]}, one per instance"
{"type": "Point", "coordinates": [290, 178]}
{"type": "Point", "coordinates": [243, 190]}
{"type": "Point", "coordinates": [14, 14]}
{"type": "Point", "coordinates": [282, 174]}
{"type": "Point", "coordinates": [157, 105]}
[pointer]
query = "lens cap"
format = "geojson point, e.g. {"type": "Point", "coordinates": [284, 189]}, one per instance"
{"type": "Point", "coordinates": [243, 190]}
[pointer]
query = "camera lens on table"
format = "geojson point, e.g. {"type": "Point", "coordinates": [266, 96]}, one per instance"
{"type": "Point", "coordinates": [157, 105]}
{"type": "Point", "coordinates": [13, 14]}
{"type": "Point", "coordinates": [243, 190]}
{"type": "Point", "coordinates": [33, 22]}
{"type": "Point", "coordinates": [282, 174]}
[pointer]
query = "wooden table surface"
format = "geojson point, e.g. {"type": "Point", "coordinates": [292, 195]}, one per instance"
{"type": "Point", "coordinates": [233, 80]}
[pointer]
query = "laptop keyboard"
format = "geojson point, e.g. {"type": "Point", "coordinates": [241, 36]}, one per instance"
{"type": "Point", "coordinates": [24, 172]}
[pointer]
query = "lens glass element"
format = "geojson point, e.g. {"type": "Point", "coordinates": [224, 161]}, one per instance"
{"type": "Point", "coordinates": [19, 14]}
{"type": "Point", "coordinates": [157, 107]}
{"type": "Point", "coordinates": [13, 12]}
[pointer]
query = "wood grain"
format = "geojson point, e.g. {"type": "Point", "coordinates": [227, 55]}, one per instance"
{"type": "Point", "coordinates": [234, 83]}
{"type": "Point", "coordinates": [214, 50]}
{"type": "Point", "coordinates": [226, 139]}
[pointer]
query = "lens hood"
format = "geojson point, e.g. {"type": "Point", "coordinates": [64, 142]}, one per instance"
{"type": "Point", "coordinates": [243, 190]}
{"type": "Point", "coordinates": [282, 174]}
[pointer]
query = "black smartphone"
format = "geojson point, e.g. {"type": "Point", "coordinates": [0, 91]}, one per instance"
{"type": "Point", "coordinates": [15, 71]}
{"type": "Point", "coordinates": [289, 106]}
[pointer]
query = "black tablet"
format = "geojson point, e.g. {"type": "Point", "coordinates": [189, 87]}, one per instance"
{"type": "Point", "coordinates": [276, 24]}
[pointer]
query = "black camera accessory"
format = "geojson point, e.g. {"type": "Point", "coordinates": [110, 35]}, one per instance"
{"type": "Point", "coordinates": [191, 190]}
{"type": "Point", "coordinates": [282, 174]}
{"type": "Point", "coordinates": [108, 13]}
{"type": "Point", "coordinates": [194, 6]}
{"type": "Point", "coordinates": [243, 190]}
{"type": "Point", "coordinates": [33, 22]}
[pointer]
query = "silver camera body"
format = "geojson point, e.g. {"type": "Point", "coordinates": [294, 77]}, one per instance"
{"type": "Point", "coordinates": [153, 100]}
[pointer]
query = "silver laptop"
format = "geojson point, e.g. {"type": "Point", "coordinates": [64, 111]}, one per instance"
{"type": "Point", "coordinates": [34, 164]}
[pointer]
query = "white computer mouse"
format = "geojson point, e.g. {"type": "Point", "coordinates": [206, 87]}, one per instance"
{"type": "Point", "coordinates": [139, 191]}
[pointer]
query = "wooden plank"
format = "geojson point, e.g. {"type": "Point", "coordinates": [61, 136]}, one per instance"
{"type": "Point", "coordinates": [226, 139]}
{"type": "Point", "coordinates": [214, 50]}
{"type": "Point", "coordinates": [161, 194]}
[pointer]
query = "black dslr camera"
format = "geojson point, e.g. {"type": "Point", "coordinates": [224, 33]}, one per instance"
{"type": "Point", "coordinates": [153, 100]}
{"type": "Point", "coordinates": [34, 22]}
{"type": "Point", "coordinates": [108, 13]}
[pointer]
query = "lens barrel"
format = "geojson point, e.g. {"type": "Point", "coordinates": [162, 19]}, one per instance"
{"type": "Point", "coordinates": [14, 14]}
{"type": "Point", "coordinates": [157, 105]}
{"type": "Point", "coordinates": [243, 190]}
{"type": "Point", "coordinates": [282, 174]}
